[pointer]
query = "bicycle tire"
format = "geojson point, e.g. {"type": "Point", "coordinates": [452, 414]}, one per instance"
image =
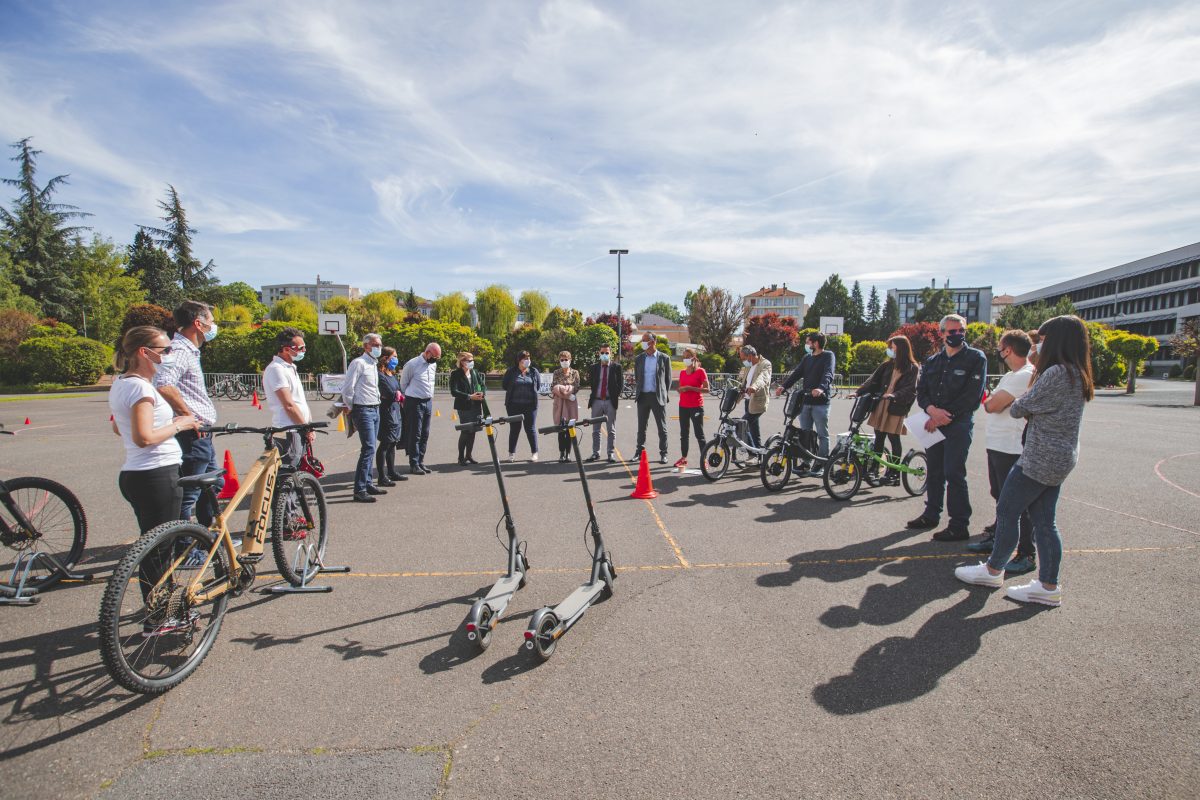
{"type": "Point", "coordinates": [776, 469]}
{"type": "Point", "coordinates": [843, 475]}
{"type": "Point", "coordinates": [298, 499]}
{"type": "Point", "coordinates": [720, 454]}
{"type": "Point", "coordinates": [127, 621]}
{"type": "Point", "coordinates": [61, 527]}
{"type": "Point", "coordinates": [915, 484]}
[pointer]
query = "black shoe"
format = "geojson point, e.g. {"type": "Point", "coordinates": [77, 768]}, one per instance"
{"type": "Point", "coordinates": [951, 535]}
{"type": "Point", "coordinates": [415, 469]}
{"type": "Point", "coordinates": [984, 545]}
{"type": "Point", "coordinates": [921, 523]}
{"type": "Point", "coordinates": [1020, 565]}
{"type": "Point", "coordinates": [375, 491]}
{"type": "Point", "coordinates": [396, 476]}
{"type": "Point", "coordinates": [470, 460]}
{"type": "Point", "coordinates": [462, 462]}
{"type": "Point", "coordinates": [426, 470]}
{"type": "Point", "coordinates": [990, 529]}
{"type": "Point", "coordinates": [363, 497]}
{"type": "Point", "coordinates": [594, 457]}
{"type": "Point", "coordinates": [662, 459]}
{"type": "Point", "coordinates": [385, 481]}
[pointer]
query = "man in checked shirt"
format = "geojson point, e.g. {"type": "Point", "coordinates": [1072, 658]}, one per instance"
{"type": "Point", "coordinates": [182, 385]}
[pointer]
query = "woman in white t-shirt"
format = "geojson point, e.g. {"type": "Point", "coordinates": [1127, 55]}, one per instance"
{"type": "Point", "coordinates": [149, 479]}
{"type": "Point", "coordinates": [1004, 445]}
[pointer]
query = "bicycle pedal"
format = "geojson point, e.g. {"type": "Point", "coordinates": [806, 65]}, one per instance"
{"type": "Point", "coordinates": [249, 558]}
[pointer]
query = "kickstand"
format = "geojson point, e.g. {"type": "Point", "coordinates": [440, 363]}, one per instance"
{"type": "Point", "coordinates": [307, 558]}
{"type": "Point", "coordinates": [18, 593]}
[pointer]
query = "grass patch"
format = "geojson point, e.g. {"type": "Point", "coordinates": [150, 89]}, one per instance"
{"type": "Point", "coordinates": [19, 397]}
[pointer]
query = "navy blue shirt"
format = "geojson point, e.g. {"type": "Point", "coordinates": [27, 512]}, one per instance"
{"type": "Point", "coordinates": [953, 383]}
{"type": "Point", "coordinates": [817, 372]}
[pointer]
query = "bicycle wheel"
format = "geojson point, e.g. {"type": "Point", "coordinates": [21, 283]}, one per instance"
{"type": "Point", "coordinates": [151, 636]}
{"type": "Point", "coordinates": [776, 469]}
{"type": "Point", "coordinates": [59, 528]}
{"type": "Point", "coordinates": [916, 475]}
{"type": "Point", "coordinates": [298, 520]}
{"type": "Point", "coordinates": [843, 475]}
{"type": "Point", "coordinates": [714, 460]}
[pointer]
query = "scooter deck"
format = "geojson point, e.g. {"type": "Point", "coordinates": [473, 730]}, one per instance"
{"type": "Point", "coordinates": [504, 589]}
{"type": "Point", "coordinates": [578, 601]}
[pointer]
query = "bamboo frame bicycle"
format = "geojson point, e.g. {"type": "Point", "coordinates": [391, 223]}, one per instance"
{"type": "Point", "coordinates": [153, 637]}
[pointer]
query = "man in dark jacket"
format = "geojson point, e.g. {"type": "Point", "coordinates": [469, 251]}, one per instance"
{"type": "Point", "coordinates": [606, 381]}
{"type": "Point", "coordinates": [652, 379]}
{"type": "Point", "coordinates": [815, 373]}
{"type": "Point", "coordinates": [949, 390]}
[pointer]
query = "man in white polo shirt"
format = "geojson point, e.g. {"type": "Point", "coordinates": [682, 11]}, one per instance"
{"type": "Point", "coordinates": [284, 391]}
{"type": "Point", "coordinates": [1004, 445]}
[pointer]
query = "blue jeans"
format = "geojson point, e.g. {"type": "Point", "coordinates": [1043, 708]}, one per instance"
{"type": "Point", "coordinates": [1022, 493]}
{"type": "Point", "coordinates": [753, 432]}
{"type": "Point", "coordinates": [199, 457]}
{"type": "Point", "coordinates": [418, 412]}
{"type": "Point", "coordinates": [947, 464]}
{"type": "Point", "coordinates": [816, 419]}
{"type": "Point", "coordinates": [366, 420]}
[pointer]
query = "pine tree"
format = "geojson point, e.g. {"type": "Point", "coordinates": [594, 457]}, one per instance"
{"type": "Point", "coordinates": [874, 314]}
{"type": "Point", "coordinates": [891, 318]}
{"type": "Point", "coordinates": [832, 300]}
{"type": "Point", "coordinates": [411, 303]}
{"type": "Point", "coordinates": [857, 319]}
{"type": "Point", "coordinates": [39, 241]}
{"type": "Point", "coordinates": [155, 270]}
{"type": "Point", "coordinates": [176, 238]}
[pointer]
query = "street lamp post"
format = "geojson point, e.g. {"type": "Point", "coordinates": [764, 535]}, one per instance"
{"type": "Point", "coordinates": [620, 327]}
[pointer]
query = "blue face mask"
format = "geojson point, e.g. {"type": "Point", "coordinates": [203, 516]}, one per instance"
{"type": "Point", "coordinates": [393, 363]}
{"type": "Point", "coordinates": [808, 349]}
{"type": "Point", "coordinates": [211, 333]}
{"type": "Point", "coordinates": [604, 357]}
{"type": "Point", "coordinates": [891, 353]}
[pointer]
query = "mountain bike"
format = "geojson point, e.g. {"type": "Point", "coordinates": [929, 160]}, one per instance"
{"type": "Point", "coordinates": [43, 530]}
{"type": "Point", "coordinates": [166, 599]}
{"type": "Point", "coordinates": [854, 460]}
{"type": "Point", "coordinates": [727, 446]}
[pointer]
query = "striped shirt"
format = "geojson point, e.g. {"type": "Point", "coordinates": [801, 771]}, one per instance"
{"type": "Point", "coordinates": [187, 376]}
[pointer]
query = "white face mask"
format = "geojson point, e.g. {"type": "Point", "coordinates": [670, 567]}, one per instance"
{"type": "Point", "coordinates": [808, 348]}
{"type": "Point", "coordinates": [525, 363]}
{"type": "Point", "coordinates": [647, 346]}
{"type": "Point", "coordinates": [376, 352]}
{"type": "Point", "coordinates": [470, 365]}
{"type": "Point", "coordinates": [565, 364]}
{"type": "Point", "coordinates": [604, 358]}
{"type": "Point", "coordinates": [687, 362]}
{"type": "Point", "coordinates": [891, 353]}
{"type": "Point", "coordinates": [747, 363]}
{"type": "Point", "coordinates": [166, 361]}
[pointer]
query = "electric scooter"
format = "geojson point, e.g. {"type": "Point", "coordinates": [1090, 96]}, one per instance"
{"type": "Point", "coordinates": [486, 612]}
{"type": "Point", "coordinates": [547, 625]}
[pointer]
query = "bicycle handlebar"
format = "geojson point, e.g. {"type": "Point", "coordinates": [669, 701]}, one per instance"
{"type": "Point", "coordinates": [578, 423]}
{"type": "Point", "coordinates": [233, 427]}
{"type": "Point", "coordinates": [479, 424]}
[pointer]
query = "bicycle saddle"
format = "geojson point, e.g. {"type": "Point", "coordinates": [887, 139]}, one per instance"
{"type": "Point", "coordinates": [207, 479]}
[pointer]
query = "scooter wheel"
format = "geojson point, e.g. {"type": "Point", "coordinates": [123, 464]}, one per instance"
{"type": "Point", "coordinates": [543, 645]}
{"type": "Point", "coordinates": [483, 636]}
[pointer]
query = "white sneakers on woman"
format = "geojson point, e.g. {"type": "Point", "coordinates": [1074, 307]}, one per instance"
{"type": "Point", "coordinates": [978, 575]}
{"type": "Point", "coordinates": [1032, 592]}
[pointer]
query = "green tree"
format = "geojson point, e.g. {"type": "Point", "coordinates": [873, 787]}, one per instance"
{"type": "Point", "coordinates": [452, 307]}
{"type": "Point", "coordinates": [523, 338]}
{"type": "Point", "coordinates": [874, 315]}
{"type": "Point", "coordinates": [1132, 349]}
{"type": "Point", "coordinates": [154, 270]}
{"type": "Point", "coordinates": [986, 337]}
{"type": "Point", "coordinates": [10, 292]}
{"type": "Point", "coordinates": [935, 304]}
{"type": "Point", "coordinates": [715, 316]}
{"type": "Point", "coordinates": [560, 317]}
{"type": "Point", "coordinates": [237, 293]}
{"type": "Point", "coordinates": [298, 310]}
{"type": "Point", "coordinates": [1186, 343]}
{"type": "Point", "coordinates": [353, 309]}
{"type": "Point", "coordinates": [664, 309]}
{"type": "Point", "coordinates": [176, 238]}
{"type": "Point", "coordinates": [867, 356]}
{"type": "Point", "coordinates": [106, 289]}
{"type": "Point", "coordinates": [857, 321]}
{"type": "Point", "coordinates": [1031, 316]}
{"type": "Point", "coordinates": [412, 303]}
{"type": "Point", "coordinates": [535, 306]}
{"type": "Point", "coordinates": [379, 311]}
{"type": "Point", "coordinates": [689, 298]}
{"type": "Point", "coordinates": [497, 311]}
{"type": "Point", "coordinates": [843, 350]}
{"type": "Point", "coordinates": [38, 239]}
{"type": "Point", "coordinates": [586, 343]}
{"type": "Point", "coordinates": [890, 320]}
{"type": "Point", "coordinates": [410, 339]}
{"type": "Point", "coordinates": [233, 315]}
{"type": "Point", "coordinates": [15, 326]}
{"type": "Point", "coordinates": [832, 300]}
{"type": "Point", "coordinates": [72, 360]}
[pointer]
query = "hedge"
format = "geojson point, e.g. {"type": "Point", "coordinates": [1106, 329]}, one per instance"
{"type": "Point", "coordinates": [53, 359]}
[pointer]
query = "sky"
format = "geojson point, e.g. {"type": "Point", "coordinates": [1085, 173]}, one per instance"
{"type": "Point", "coordinates": [449, 145]}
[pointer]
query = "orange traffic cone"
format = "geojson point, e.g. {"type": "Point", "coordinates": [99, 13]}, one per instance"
{"type": "Point", "coordinates": [231, 479]}
{"type": "Point", "coordinates": [254, 399]}
{"type": "Point", "coordinates": [27, 420]}
{"type": "Point", "coordinates": [644, 489]}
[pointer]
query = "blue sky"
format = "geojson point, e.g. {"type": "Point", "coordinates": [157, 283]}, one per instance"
{"type": "Point", "coordinates": [450, 145]}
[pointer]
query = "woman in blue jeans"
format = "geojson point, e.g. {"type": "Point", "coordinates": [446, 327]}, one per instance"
{"type": "Point", "coordinates": [1053, 408]}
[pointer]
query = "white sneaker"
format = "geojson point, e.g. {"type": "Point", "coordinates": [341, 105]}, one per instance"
{"type": "Point", "coordinates": [512, 457]}
{"type": "Point", "coordinates": [978, 575]}
{"type": "Point", "coordinates": [1035, 592]}
{"type": "Point", "coordinates": [534, 457]}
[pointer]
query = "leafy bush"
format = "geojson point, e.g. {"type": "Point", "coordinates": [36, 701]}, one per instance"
{"type": "Point", "coordinates": [1175, 371]}
{"type": "Point", "coordinates": [867, 356]}
{"type": "Point", "coordinates": [712, 362]}
{"type": "Point", "coordinates": [51, 327]}
{"type": "Point", "coordinates": [76, 361]}
{"type": "Point", "coordinates": [925, 338]}
{"type": "Point", "coordinates": [843, 350]}
{"type": "Point", "coordinates": [1107, 369]}
{"type": "Point", "coordinates": [14, 329]}
{"type": "Point", "coordinates": [410, 341]}
{"type": "Point", "coordinates": [587, 341]}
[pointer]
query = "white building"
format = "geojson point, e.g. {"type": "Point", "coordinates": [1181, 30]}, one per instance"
{"type": "Point", "coordinates": [783, 301]}
{"type": "Point", "coordinates": [317, 292]}
{"type": "Point", "coordinates": [974, 303]}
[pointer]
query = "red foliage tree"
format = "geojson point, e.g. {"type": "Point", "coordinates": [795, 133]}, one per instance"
{"type": "Point", "coordinates": [925, 338]}
{"type": "Point", "coordinates": [772, 336]}
{"type": "Point", "coordinates": [610, 319]}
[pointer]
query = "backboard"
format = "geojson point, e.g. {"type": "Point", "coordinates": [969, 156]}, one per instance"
{"type": "Point", "coordinates": [331, 324]}
{"type": "Point", "coordinates": [832, 326]}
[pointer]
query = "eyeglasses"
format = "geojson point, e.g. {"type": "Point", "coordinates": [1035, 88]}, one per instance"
{"type": "Point", "coordinates": [165, 349]}
{"type": "Point", "coordinates": [299, 348]}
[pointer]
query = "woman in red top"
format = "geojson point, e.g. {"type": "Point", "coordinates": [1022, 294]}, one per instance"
{"type": "Point", "coordinates": [693, 383]}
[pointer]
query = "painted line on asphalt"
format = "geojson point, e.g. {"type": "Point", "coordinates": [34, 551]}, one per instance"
{"type": "Point", "coordinates": [1167, 480]}
{"type": "Point", "coordinates": [1132, 516]}
{"type": "Point", "coordinates": [683, 562]}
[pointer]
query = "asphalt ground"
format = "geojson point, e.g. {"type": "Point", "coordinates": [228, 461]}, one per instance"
{"type": "Point", "coordinates": [758, 645]}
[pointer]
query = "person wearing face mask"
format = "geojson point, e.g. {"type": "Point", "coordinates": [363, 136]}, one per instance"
{"type": "Point", "coordinates": [468, 388]}
{"type": "Point", "coordinates": [607, 381]}
{"type": "Point", "coordinates": [149, 478]}
{"type": "Point", "coordinates": [755, 378]}
{"type": "Point", "coordinates": [1034, 339]}
{"type": "Point", "coordinates": [896, 381]}
{"type": "Point", "coordinates": [360, 393]}
{"type": "Point", "coordinates": [521, 397]}
{"type": "Point", "coordinates": [390, 426]}
{"type": "Point", "coordinates": [181, 384]}
{"type": "Point", "coordinates": [1004, 446]}
{"type": "Point", "coordinates": [284, 392]}
{"type": "Point", "coordinates": [564, 388]}
{"type": "Point", "coordinates": [652, 380]}
{"type": "Point", "coordinates": [693, 383]}
{"type": "Point", "coordinates": [949, 390]}
{"type": "Point", "coordinates": [815, 375]}
{"type": "Point", "coordinates": [416, 384]}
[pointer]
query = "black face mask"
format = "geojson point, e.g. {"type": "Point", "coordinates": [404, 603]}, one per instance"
{"type": "Point", "coordinates": [432, 360]}
{"type": "Point", "coordinates": [955, 339]}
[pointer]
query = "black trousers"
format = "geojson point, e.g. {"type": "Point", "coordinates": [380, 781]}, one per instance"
{"type": "Point", "coordinates": [529, 423]}
{"type": "Point", "coordinates": [695, 418]}
{"type": "Point", "coordinates": [156, 498]}
{"type": "Point", "coordinates": [647, 404]}
{"type": "Point", "coordinates": [893, 439]}
{"type": "Point", "coordinates": [385, 456]}
{"type": "Point", "coordinates": [466, 443]}
{"type": "Point", "coordinates": [999, 465]}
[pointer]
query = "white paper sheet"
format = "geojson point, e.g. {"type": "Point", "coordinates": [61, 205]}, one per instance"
{"type": "Point", "coordinates": [915, 423]}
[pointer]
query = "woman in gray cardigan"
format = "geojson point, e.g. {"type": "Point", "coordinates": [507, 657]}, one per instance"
{"type": "Point", "coordinates": [1053, 408]}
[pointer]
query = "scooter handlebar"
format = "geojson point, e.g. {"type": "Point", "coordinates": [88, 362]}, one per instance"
{"type": "Point", "coordinates": [578, 423]}
{"type": "Point", "coordinates": [480, 423]}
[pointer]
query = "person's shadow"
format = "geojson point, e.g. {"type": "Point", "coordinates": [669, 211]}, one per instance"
{"type": "Point", "coordinates": [922, 582]}
{"type": "Point", "coordinates": [899, 669]}
{"type": "Point", "coordinates": [847, 563]}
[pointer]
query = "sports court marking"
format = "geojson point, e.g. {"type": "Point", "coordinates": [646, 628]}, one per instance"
{"type": "Point", "coordinates": [1132, 516]}
{"type": "Point", "coordinates": [683, 562]}
{"type": "Point", "coordinates": [1165, 479]}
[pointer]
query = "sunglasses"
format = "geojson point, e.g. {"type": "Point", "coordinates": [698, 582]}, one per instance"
{"type": "Point", "coordinates": [300, 349]}
{"type": "Point", "coordinates": [165, 349]}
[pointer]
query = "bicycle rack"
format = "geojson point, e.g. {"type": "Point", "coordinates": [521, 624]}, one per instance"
{"type": "Point", "coordinates": [16, 593]}
{"type": "Point", "coordinates": [310, 556]}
